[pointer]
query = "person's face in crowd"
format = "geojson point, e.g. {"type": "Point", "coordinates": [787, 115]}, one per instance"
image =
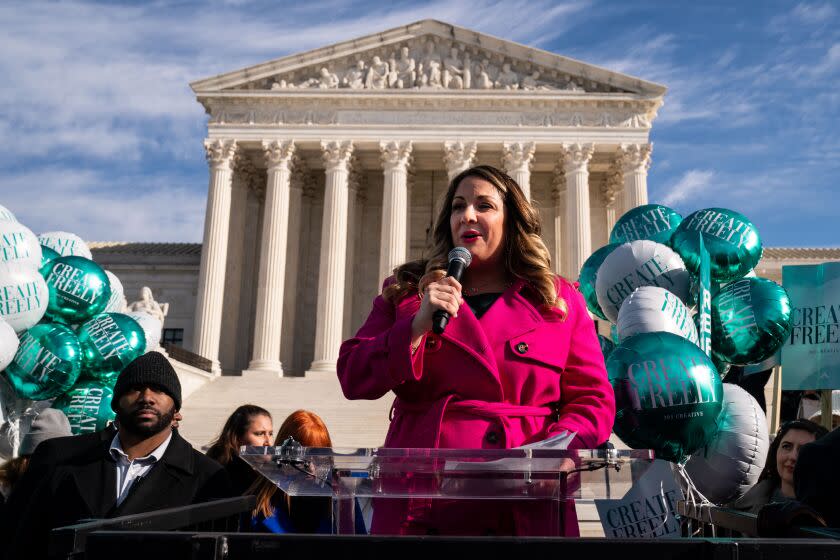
{"type": "Point", "coordinates": [260, 431]}
{"type": "Point", "coordinates": [478, 221]}
{"type": "Point", "coordinates": [145, 411]}
{"type": "Point", "coordinates": [788, 451]}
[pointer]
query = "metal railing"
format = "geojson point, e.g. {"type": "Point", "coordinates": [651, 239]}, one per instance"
{"type": "Point", "coordinates": [706, 520]}
{"type": "Point", "coordinates": [220, 515]}
{"type": "Point", "coordinates": [187, 357]}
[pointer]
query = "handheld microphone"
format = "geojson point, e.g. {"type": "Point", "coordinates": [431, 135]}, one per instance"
{"type": "Point", "coordinates": [459, 260]}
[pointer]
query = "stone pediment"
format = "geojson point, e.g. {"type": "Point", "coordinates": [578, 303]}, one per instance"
{"type": "Point", "coordinates": [427, 56]}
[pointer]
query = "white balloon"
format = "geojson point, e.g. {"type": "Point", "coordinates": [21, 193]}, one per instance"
{"type": "Point", "coordinates": [730, 464]}
{"type": "Point", "coordinates": [8, 344]}
{"type": "Point", "coordinates": [655, 309]}
{"type": "Point", "coordinates": [117, 300]}
{"type": "Point", "coordinates": [18, 245]}
{"type": "Point", "coordinates": [6, 215]}
{"type": "Point", "coordinates": [65, 244]}
{"type": "Point", "coordinates": [23, 296]}
{"type": "Point", "coordinates": [635, 264]}
{"type": "Point", "coordinates": [151, 328]}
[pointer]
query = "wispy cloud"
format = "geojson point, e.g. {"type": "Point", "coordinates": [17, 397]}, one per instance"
{"type": "Point", "coordinates": [103, 134]}
{"type": "Point", "coordinates": [690, 183]}
{"type": "Point", "coordinates": [100, 207]}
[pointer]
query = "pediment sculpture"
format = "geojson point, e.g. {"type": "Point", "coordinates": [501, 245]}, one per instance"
{"type": "Point", "coordinates": [429, 63]}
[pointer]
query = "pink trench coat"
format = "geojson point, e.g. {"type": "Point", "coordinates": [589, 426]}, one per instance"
{"type": "Point", "coordinates": [517, 375]}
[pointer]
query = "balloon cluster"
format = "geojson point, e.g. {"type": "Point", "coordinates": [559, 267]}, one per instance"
{"type": "Point", "coordinates": [63, 336]}
{"type": "Point", "coordinates": [669, 392]}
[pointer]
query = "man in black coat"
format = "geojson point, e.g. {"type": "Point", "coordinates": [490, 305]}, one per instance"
{"type": "Point", "coordinates": [144, 466]}
{"type": "Point", "coordinates": [815, 476]}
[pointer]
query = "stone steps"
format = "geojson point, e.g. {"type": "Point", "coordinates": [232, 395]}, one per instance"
{"type": "Point", "coordinates": [351, 423]}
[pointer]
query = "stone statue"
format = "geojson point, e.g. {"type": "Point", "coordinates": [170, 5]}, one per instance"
{"type": "Point", "coordinates": [355, 77]}
{"type": "Point", "coordinates": [403, 70]}
{"type": "Point", "coordinates": [507, 79]}
{"type": "Point", "coordinates": [484, 81]}
{"type": "Point", "coordinates": [147, 304]}
{"type": "Point", "coordinates": [428, 73]}
{"type": "Point", "coordinates": [571, 85]}
{"type": "Point", "coordinates": [282, 84]}
{"type": "Point", "coordinates": [467, 71]}
{"type": "Point", "coordinates": [530, 82]}
{"type": "Point", "coordinates": [327, 80]}
{"type": "Point", "coordinates": [453, 71]}
{"type": "Point", "coordinates": [377, 77]}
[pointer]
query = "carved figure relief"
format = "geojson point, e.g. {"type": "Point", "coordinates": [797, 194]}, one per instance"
{"type": "Point", "coordinates": [438, 64]}
{"type": "Point", "coordinates": [454, 70]}
{"type": "Point", "coordinates": [377, 77]}
{"type": "Point", "coordinates": [404, 71]}
{"type": "Point", "coordinates": [508, 79]}
{"type": "Point", "coordinates": [484, 81]}
{"type": "Point", "coordinates": [355, 77]}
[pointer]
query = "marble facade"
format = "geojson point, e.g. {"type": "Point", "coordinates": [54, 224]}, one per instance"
{"type": "Point", "coordinates": [326, 168]}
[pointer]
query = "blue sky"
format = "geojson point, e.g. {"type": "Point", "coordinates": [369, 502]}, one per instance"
{"type": "Point", "coordinates": [102, 136]}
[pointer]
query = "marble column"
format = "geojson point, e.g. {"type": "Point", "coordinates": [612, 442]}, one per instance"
{"type": "Point", "coordinates": [396, 157]}
{"type": "Point", "coordinates": [355, 194]}
{"type": "Point", "coordinates": [635, 161]}
{"type": "Point", "coordinates": [211, 278]}
{"type": "Point", "coordinates": [331, 277]}
{"type": "Point", "coordinates": [269, 312]}
{"type": "Point", "coordinates": [611, 190]}
{"type": "Point", "coordinates": [458, 156]}
{"type": "Point", "coordinates": [576, 159]}
{"type": "Point", "coordinates": [517, 159]}
{"type": "Point", "coordinates": [558, 197]}
{"type": "Point", "coordinates": [300, 174]}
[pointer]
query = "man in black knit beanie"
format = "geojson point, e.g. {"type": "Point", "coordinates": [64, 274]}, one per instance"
{"type": "Point", "coordinates": [145, 466]}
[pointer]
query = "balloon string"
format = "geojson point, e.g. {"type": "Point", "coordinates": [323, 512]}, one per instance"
{"type": "Point", "coordinates": [693, 496]}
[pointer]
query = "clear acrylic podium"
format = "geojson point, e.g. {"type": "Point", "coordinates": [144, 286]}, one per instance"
{"type": "Point", "coordinates": [546, 478]}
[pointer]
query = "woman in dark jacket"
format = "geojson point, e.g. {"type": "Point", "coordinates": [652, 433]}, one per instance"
{"type": "Point", "coordinates": [248, 425]}
{"type": "Point", "coordinates": [775, 483]}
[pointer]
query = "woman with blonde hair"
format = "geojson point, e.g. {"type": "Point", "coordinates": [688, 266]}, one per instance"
{"type": "Point", "coordinates": [519, 363]}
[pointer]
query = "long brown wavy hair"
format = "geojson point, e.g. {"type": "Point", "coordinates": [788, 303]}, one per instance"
{"type": "Point", "coordinates": [226, 447]}
{"type": "Point", "coordinates": [310, 431]}
{"type": "Point", "coordinates": [525, 254]}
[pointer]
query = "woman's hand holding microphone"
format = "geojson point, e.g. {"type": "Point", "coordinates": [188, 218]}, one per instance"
{"type": "Point", "coordinates": [443, 295]}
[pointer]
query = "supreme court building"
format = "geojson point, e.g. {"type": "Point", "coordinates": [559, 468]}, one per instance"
{"type": "Point", "coordinates": [326, 169]}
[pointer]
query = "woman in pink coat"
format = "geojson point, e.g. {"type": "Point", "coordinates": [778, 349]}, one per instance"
{"type": "Point", "coordinates": [519, 363]}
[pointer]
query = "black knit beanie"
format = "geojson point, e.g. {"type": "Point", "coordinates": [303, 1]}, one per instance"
{"type": "Point", "coordinates": [149, 369]}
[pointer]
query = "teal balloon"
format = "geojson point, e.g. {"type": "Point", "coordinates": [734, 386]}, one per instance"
{"type": "Point", "coordinates": [668, 394]}
{"type": "Point", "coordinates": [732, 241]}
{"type": "Point", "coordinates": [79, 289]}
{"type": "Point", "coordinates": [650, 221]}
{"type": "Point", "coordinates": [722, 365]}
{"type": "Point", "coordinates": [588, 274]}
{"type": "Point", "coordinates": [751, 319]}
{"type": "Point", "coordinates": [47, 363]}
{"type": "Point", "coordinates": [47, 255]}
{"type": "Point", "coordinates": [607, 346]}
{"type": "Point", "coordinates": [87, 406]}
{"type": "Point", "coordinates": [110, 341]}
